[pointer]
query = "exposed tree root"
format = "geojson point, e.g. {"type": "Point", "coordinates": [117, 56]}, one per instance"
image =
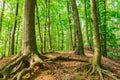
{"type": "Point", "coordinates": [24, 71]}
{"type": "Point", "coordinates": [101, 72]}
{"type": "Point", "coordinates": [19, 66]}
{"type": "Point", "coordinates": [64, 58]}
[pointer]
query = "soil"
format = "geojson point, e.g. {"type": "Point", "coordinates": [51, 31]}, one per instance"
{"type": "Point", "coordinates": [67, 69]}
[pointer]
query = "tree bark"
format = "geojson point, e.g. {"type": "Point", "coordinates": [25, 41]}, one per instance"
{"type": "Point", "coordinates": [86, 26]}
{"type": "Point", "coordinates": [1, 17]}
{"type": "Point", "coordinates": [12, 44]}
{"type": "Point", "coordinates": [28, 38]}
{"type": "Point", "coordinates": [45, 28]}
{"type": "Point", "coordinates": [75, 40]}
{"type": "Point", "coordinates": [49, 27]}
{"type": "Point", "coordinates": [96, 34]}
{"type": "Point", "coordinates": [69, 27]}
{"type": "Point", "coordinates": [17, 39]}
{"type": "Point", "coordinates": [80, 46]}
{"type": "Point", "coordinates": [62, 32]}
{"type": "Point", "coordinates": [104, 40]}
{"type": "Point", "coordinates": [39, 29]}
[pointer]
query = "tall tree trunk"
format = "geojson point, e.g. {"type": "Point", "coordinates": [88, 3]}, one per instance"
{"type": "Point", "coordinates": [86, 26]}
{"type": "Point", "coordinates": [96, 60]}
{"type": "Point", "coordinates": [28, 39]}
{"type": "Point", "coordinates": [58, 27]}
{"type": "Point", "coordinates": [75, 40]}
{"type": "Point", "coordinates": [58, 39]}
{"type": "Point", "coordinates": [80, 46]}
{"type": "Point", "coordinates": [1, 17]}
{"type": "Point", "coordinates": [12, 45]}
{"type": "Point", "coordinates": [69, 26]}
{"type": "Point", "coordinates": [102, 24]}
{"type": "Point", "coordinates": [39, 29]}
{"type": "Point", "coordinates": [44, 38]}
{"type": "Point", "coordinates": [49, 27]}
{"type": "Point", "coordinates": [45, 28]}
{"type": "Point", "coordinates": [96, 34]}
{"type": "Point", "coordinates": [104, 43]}
{"type": "Point", "coordinates": [17, 39]}
{"type": "Point", "coordinates": [62, 38]}
{"type": "Point", "coordinates": [62, 32]}
{"type": "Point", "coordinates": [1, 20]}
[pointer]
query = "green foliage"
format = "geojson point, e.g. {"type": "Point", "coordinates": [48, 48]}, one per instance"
{"type": "Point", "coordinates": [110, 53]}
{"type": "Point", "coordinates": [50, 73]}
{"type": "Point", "coordinates": [79, 78]}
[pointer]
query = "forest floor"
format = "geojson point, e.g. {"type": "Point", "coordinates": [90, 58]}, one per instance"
{"type": "Point", "coordinates": [67, 66]}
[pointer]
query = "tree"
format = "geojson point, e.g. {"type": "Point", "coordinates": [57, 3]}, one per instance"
{"type": "Point", "coordinates": [86, 25]}
{"type": "Point", "coordinates": [62, 32]}
{"type": "Point", "coordinates": [1, 22]}
{"type": "Point", "coordinates": [49, 27]}
{"type": "Point", "coordinates": [69, 25]}
{"type": "Point", "coordinates": [14, 29]}
{"type": "Point", "coordinates": [28, 56]}
{"type": "Point", "coordinates": [96, 60]}
{"type": "Point", "coordinates": [104, 31]}
{"type": "Point", "coordinates": [1, 15]}
{"type": "Point", "coordinates": [80, 47]}
{"type": "Point", "coordinates": [45, 28]}
{"type": "Point", "coordinates": [39, 29]}
{"type": "Point", "coordinates": [101, 9]}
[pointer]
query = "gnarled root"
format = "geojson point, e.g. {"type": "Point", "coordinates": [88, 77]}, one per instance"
{"type": "Point", "coordinates": [102, 73]}
{"type": "Point", "coordinates": [19, 66]}
{"type": "Point", "coordinates": [24, 71]}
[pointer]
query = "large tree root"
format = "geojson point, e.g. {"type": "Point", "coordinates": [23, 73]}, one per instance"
{"type": "Point", "coordinates": [67, 58]}
{"type": "Point", "coordinates": [101, 72]}
{"type": "Point", "coordinates": [19, 66]}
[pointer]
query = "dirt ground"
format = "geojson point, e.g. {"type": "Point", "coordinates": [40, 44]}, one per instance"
{"type": "Point", "coordinates": [67, 69]}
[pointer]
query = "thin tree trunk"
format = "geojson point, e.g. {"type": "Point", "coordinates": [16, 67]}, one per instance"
{"type": "Point", "coordinates": [91, 33]}
{"type": "Point", "coordinates": [104, 46]}
{"type": "Point", "coordinates": [1, 20]}
{"type": "Point", "coordinates": [58, 39]}
{"type": "Point", "coordinates": [62, 38]}
{"type": "Point", "coordinates": [49, 27]}
{"type": "Point", "coordinates": [61, 28]}
{"type": "Point", "coordinates": [80, 46]}
{"type": "Point", "coordinates": [44, 40]}
{"type": "Point", "coordinates": [75, 40]}
{"type": "Point", "coordinates": [39, 29]}
{"type": "Point", "coordinates": [58, 28]}
{"type": "Point", "coordinates": [6, 41]}
{"type": "Point", "coordinates": [86, 26]}
{"type": "Point", "coordinates": [12, 45]}
{"type": "Point", "coordinates": [17, 40]}
{"type": "Point", "coordinates": [69, 26]}
{"type": "Point", "coordinates": [45, 28]}
{"type": "Point", "coordinates": [1, 17]}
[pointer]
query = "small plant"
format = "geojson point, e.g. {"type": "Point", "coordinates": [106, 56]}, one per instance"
{"type": "Point", "coordinates": [110, 53]}
{"type": "Point", "coordinates": [49, 72]}
{"type": "Point", "coordinates": [79, 78]}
